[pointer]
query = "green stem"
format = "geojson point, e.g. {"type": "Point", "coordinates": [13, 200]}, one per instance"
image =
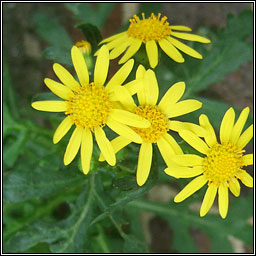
{"type": "Point", "coordinates": [122, 234]}
{"type": "Point", "coordinates": [102, 240]}
{"type": "Point", "coordinates": [164, 210]}
{"type": "Point", "coordinates": [83, 214]}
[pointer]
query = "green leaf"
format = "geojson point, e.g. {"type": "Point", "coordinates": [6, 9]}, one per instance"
{"type": "Point", "coordinates": [87, 13]}
{"type": "Point", "coordinates": [58, 54]}
{"type": "Point", "coordinates": [137, 233]}
{"type": "Point", "coordinates": [13, 151]}
{"type": "Point", "coordinates": [228, 53]}
{"type": "Point", "coordinates": [36, 233]}
{"type": "Point", "coordinates": [51, 31]}
{"type": "Point", "coordinates": [9, 96]}
{"type": "Point", "coordinates": [40, 179]}
{"type": "Point", "coordinates": [222, 60]}
{"type": "Point", "coordinates": [91, 33]}
{"type": "Point", "coordinates": [134, 245]}
{"type": "Point", "coordinates": [76, 226]}
{"type": "Point", "coordinates": [121, 200]}
{"type": "Point", "coordinates": [66, 236]}
{"type": "Point", "coordinates": [9, 123]}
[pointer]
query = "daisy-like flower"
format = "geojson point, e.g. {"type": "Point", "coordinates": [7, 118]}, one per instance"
{"type": "Point", "coordinates": [158, 115]}
{"type": "Point", "coordinates": [89, 106]}
{"type": "Point", "coordinates": [222, 165]}
{"type": "Point", "coordinates": [152, 31]}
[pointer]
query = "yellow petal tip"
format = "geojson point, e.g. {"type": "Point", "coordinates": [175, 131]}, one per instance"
{"type": "Point", "coordinates": [176, 200]}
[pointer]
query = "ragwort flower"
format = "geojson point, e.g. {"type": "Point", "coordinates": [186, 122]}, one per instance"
{"type": "Point", "coordinates": [90, 107]}
{"type": "Point", "coordinates": [158, 115]}
{"type": "Point", "coordinates": [152, 31]}
{"type": "Point", "coordinates": [222, 165]}
{"type": "Point", "coordinates": [84, 46]}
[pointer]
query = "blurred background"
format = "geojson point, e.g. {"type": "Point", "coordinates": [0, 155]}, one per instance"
{"type": "Point", "coordinates": [22, 49]}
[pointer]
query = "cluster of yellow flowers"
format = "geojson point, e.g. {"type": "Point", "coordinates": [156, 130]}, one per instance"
{"type": "Point", "coordinates": [90, 106]}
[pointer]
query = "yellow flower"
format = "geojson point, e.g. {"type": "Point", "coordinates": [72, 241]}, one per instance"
{"type": "Point", "coordinates": [90, 107]}
{"type": "Point", "coordinates": [222, 165]}
{"type": "Point", "coordinates": [151, 31]}
{"type": "Point", "coordinates": [158, 115]}
{"type": "Point", "coordinates": [84, 46]}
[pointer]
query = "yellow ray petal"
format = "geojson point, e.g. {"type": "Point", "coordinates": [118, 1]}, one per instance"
{"type": "Point", "coordinates": [210, 136]}
{"type": "Point", "coordinates": [117, 51]}
{"type": "Point", "coordinates": [134, 86]}
{"type": "Point", "coordinates": [184, 48]}
{"type": "Point", "coordinates": [239, 125]}
{"type": "Point", "coordinates": [223, 200]}
{"type": "Point", "coordinates": [50, 105]}
{"type": "Point", "coordinates": [246, 178]}
{"type": "Point", "coordinates": [208, 199]}
{"type": "Point", "coordinates": [101, 66]}
{"type": "Point", "coordinates": [129, 118]}
{"type": "Point", "coordinates": [86, 150]}
{"type": "Point", "coordinates": [175, 146]}
{"type": "Point", "coordinates": [58, 89]}
{"type": "Point", "coordinates": [166, 151]}
{"type": "Point", "coordinates": [105, 146]}
{"type": "Point", "coordinates": [194, 141]}
{"type": "Point", "coordinates": [152, 53]}
{"type": "Point", "coordinates": [151, 87]}
{"type": "Point", "coordinates": [184, 172]}
{"type": "Point", "coordinates": [116, 42]}
{"type": "Point", "coordinates": [135, 45]}
{"type": "Point", "coordinates": [80, 65]}
{"type": "Point", "coordinates": [121, 75]}
{"type": "Point", "coordinates": [144, 163]}
{"type": "Point", "coordinates": [171, 51]}
{"type": "Point", "coordinates": [73, 145]}
{"type": "Point", "coordinates": [190, 188]}
{"type": "Point", "coordinates": [181, 28]}
{"type": "Point", "coordinates": [108, 39]}
{"type": "Point", "coordinates": [173, 94]}
{"type": "Point", "coordinates": [118, 143]}
{"type": "Point", "coordinates": [190, 37]}
{"type": "Point", "coordinates": [226, 126]}
{"type": "Point", "coordinates": [248, 159]}
{"type": "Point", "coordinates": [124, 130]}
{"type": "Point", "coordinates": [140, 72]}
{"type": "Point", "coordinates": [65, 77]}
{"type": "Point", "coordinates": [188, 160]}
{"type": "Point", "coordinates": [62, 129]}
{"type": "Point", "coordinates": [180, 126]}
{"type": "Point", "coordinates": [234, 186]}
{"type": "Point", "coordinates": [184, 107]}
{"type": "Point", "coordinates": [245, 137]}
{"type": "Point", "coordinates": [122, 95]}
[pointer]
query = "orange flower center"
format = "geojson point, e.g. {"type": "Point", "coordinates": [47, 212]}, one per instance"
{"type": "Point", "coordinates": [89, 107]}
{"type": "Point", "coordinates": [152, 28]}
{"type": "Point", "coordinates": [222, 163]}
{"type": "Point", "coordinates": [159, 123]}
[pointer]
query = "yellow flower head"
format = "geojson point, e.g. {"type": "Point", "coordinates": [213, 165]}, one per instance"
{"type": "Point", "coordinates": [222, 165]}
{"type": "Point", "coordinates": [152, 31]}
{"type": "Point", "coordinates": [84, 46]}
{"type": "Point", "coordinates": [90, 106]}
{"type": "Point", "coordinates": [159, 116]}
